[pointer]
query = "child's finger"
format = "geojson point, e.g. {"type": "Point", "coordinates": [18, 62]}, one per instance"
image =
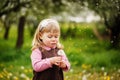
{"type": "Point", "coordinates": [57, 63]}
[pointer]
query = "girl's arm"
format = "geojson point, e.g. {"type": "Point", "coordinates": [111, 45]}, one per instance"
{"type": "Point", "coordinates": [38, 63]}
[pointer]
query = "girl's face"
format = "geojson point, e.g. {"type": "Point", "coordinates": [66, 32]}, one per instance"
{"type": "Point", "coordinates": [50, 39]}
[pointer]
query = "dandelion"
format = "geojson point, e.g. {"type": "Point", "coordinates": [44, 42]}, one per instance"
{"type": "Point", "coordinates": [89, 74]}
{"type": "Point", "coordinates": [102, 68]}
{"type": "Point", "coordinates": [66, 77]}
{"type": "Point", "coordinates": [22, 67]}
{"type": "Point", "coordinates": [84, 71]}
{"type": "Point", "coordinates": [80, 74]}
{"type": "Point", "coordinates": [71, 70]}
{"type": "Point", "coordinates": [22, 75]}
{"type": "Point", "coordinates": [112, 77]}
{"type": "Point", "coordinates": [9, 75]}
{"type": "Point", "coordinates": [84, 66]}
{"type": "Point", "coordinates": [30, 70]}
{"type": "Point", "coordinates": [84, 77]}
{"type": "Point", "coordinates": [27, 78]}
{"type": "Point", "coordinates": [111, 41]}
{"type": "Point", "coordinates": [26, 71]}
{"type": "Point", "coordinates": [1, 76]}
{"type": "Point", "coordinates": [5, 72]}
{"type": "Point", "coordinates": [15, 78]}
{"type": "Point", "coordinates": [108, 78]}
{"type": "Point", "coordinates": [61, 52]}
{"type": "Point", "coordinates": [105, 73]}
{"type": "Point", "coordinates": [1, 65]}
{"type": "Point", "coordinates": [118, 70]}
{"type": "Point", "coordinates": [11, 66]}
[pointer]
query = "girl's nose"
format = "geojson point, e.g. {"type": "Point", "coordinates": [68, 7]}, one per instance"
{"type": "Point", "coordinates": [54, 39]}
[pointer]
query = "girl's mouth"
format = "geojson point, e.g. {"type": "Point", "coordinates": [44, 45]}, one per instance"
{"type": "Point", "coordinates": [53, 43]}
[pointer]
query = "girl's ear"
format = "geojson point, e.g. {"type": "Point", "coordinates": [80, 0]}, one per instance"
{"type": "Point", "coordinates": [40, 39]}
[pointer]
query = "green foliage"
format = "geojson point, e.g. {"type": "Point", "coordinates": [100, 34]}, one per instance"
{"type": "Point", "coordinates": [76, 30]}
{"type": "Point", "coordinates": [84, 52]}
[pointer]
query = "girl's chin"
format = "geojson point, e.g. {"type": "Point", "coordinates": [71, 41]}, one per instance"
{"type": "Point", "coordinates": [53, 46]}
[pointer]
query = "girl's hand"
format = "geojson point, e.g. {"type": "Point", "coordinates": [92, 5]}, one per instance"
{"type": "Point", "coordinates": [56, 60]}
{"type": "Point", "coordinates": [62, 64]}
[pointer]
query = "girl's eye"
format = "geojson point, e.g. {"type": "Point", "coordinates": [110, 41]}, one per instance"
{"type": "Point", "coordinates": [49, 36]}
{"type": "Point", "coordinates": [56, 36]}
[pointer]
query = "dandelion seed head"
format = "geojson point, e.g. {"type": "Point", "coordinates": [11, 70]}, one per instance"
{"type": "Point", "coordinates": [10, 74]}
{"type": "Point", "coordinates": [60, 52]}
{"type": "Point", "coordinates": [111, 41]}
{"type": "Point", "coordinates": [22, 67]}
{"type": "Point", "coordinates": [105, 73]}
{"type": "Point", "coordinates": [71, 70]}
{"type": "Point", "coordinates": [119, 70]}
{"type": "Point", "coordinates": [102, 68]}
{"type": "Point", "coordinates": [22, 75]}
{"type": "Point", "coordinates": [84, 71]}
{"type": "Point", "coordinates": [15, 78]}
{"type": "Point", "coordinates": [84, 77]}
{"type": "Point", "coordinates": [111, 77]}
{"type": "Point", "coordinates": [66, 77]}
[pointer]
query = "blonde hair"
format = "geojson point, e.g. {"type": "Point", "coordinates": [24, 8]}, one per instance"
{"type": "Point", "coordinates": [46, 25]}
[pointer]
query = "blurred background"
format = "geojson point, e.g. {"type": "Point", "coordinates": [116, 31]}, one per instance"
{"type": "Point", "coordinates": [90, 33]}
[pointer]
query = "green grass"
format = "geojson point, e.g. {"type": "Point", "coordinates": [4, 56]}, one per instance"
{"type": "Point", "coordinates": [87, 55]}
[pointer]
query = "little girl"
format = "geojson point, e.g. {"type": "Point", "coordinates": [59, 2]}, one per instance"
{"type": "Point", "coordinates": [48, 58]}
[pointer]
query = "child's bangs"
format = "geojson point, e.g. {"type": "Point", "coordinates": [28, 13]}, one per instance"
{"type": "Point", "coordinates": [52, 28]}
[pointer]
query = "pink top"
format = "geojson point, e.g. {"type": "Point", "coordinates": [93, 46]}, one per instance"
{"type": "Point", "coordinates": [40, 64]}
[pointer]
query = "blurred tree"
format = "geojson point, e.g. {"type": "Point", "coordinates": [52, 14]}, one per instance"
{"type": "Point", "coordinates": [6, 8]}
{"type": "Point", "coordinates": [8, 20]}
{"type": "Point", "coordinates": [38, 8]}
{"type": "Point", "coordinates": [41, 9]}
{"type": "Point", "coordinates": [109, 10]}
{"type": "Point", "coordinates": [20, 38]}
{"type": "Point", "coordinates": [7, 24]}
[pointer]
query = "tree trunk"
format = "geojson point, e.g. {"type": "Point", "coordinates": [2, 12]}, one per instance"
{"type": "Point", "coordinates": [6, 32]}
{"type": "Point", "coordinates": [115, 34]}
{"type": "Point", "coordinates": [20, 38]}
{"type": "Point", "coordinates": [114, 38]}
{"type": "Point", "coordinates": [7, 28]}
{"type": "Point", "coordinates": [114, 31]}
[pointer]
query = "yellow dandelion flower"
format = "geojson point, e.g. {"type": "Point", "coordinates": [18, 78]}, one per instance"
{"type": "Point", "coordinates": [1, 65]}
{"type": "Point", "coordinates": [107, 77]}
{"type": "Point", "coordinates": [1, 76]}
{"type": "Point", "coordinates": [26, 71]}
{"type": "Point", "coordinates": [84, 66]}
{"type": "Point", "coordinates": [15, 78]}
{"type": "Point", "coordinates": [80, 74]}
{"type": "Point", "coordinates": [11, 66]}
{"type": "Point", "coordinates": [30, 70]}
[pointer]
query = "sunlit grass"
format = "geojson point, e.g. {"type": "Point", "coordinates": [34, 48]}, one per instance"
{"type": "Point", "coordinates": [90, 58]}
{"type": "Point", "coordinates": [14, 73]}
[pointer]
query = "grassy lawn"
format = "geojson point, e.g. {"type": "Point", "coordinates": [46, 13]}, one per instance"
{"type": "Point", "coordinates": [90, 58]}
